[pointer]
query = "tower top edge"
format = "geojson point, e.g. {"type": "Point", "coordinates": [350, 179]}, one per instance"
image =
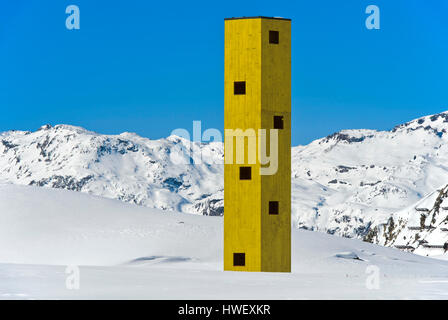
{"type": "Point", "coordinates": [257, 17]}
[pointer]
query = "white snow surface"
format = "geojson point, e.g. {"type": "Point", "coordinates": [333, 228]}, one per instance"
{"type": "Point", "coordinates": [126, 251]}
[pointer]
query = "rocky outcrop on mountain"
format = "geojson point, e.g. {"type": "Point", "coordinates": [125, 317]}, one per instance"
{"type": "Point", "coordinates": [421, 228]}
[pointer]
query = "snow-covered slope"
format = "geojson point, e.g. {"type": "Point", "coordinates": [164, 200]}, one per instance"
{"type": "Point", "coordinates": [132, 252]}
{"type": "Point", "coordinates": [47, 226]}
{"type": "Point", "coordinates": [421, 228]}
{"type": "Point", "coordinates": [346, 183]}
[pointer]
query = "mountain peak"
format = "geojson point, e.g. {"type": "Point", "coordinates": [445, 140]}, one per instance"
{"type": "Point", "coordinates": [436, 123]}
{"type": "Point", "coordinates": [45, 127]}
{"type": "Point", "coordinates": [349, 136]}
{"type": "Point", "coordinates": [65, 127]}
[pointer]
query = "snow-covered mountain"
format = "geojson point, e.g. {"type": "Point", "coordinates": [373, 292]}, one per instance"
{"type": "Point", "coordinates": [351, 181]}
{"type": "Point", "coordinates": [421, 228]}
{"type": "Point", "coordinates": [125, 167]}
{"type": "Point", "coordinates": [346, 183]}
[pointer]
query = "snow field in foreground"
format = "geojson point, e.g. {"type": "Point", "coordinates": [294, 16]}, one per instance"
{"type": "Point", "coordinates": [131, 252]}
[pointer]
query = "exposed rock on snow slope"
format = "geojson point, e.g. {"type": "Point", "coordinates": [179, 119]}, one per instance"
{"type": "Point", "coordinates": [346, 183]}
{"type": "Point", "coordinates": [422, 228]}
{"type": "Point", "coordinates": [125, 251]}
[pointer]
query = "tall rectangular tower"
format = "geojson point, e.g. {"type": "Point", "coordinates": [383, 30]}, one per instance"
{"type": "Point", "coordinates": [257, 95]}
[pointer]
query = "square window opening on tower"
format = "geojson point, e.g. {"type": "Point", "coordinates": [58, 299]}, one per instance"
{"type": "Point", "coordinates": [245, 173]}
{"type": "Point", "coordinates": [239, 87]}
{"type": "Point", "coordinates": [273, 207]}
{"type": "Point", "coordinates": [239, 259]}
{"type": "Point", "coordinates": [273, 37]}
{"type": "Point", "coordinates": [278, 122]}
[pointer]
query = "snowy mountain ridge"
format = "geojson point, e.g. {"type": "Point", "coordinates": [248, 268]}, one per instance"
{"type": "Point", "coordinates": [125, 167]}
{"type": "Point", "coordinates": [346, 183]}
{"type": "Point", "coordinates": [364, 176]}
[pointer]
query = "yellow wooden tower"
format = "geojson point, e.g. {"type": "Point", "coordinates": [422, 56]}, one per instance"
{"type": "Point", "coordinates": [257, 95]}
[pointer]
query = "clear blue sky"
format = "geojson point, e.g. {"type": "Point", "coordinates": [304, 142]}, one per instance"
{"type": "Point", "coordinates": [153, 66]}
